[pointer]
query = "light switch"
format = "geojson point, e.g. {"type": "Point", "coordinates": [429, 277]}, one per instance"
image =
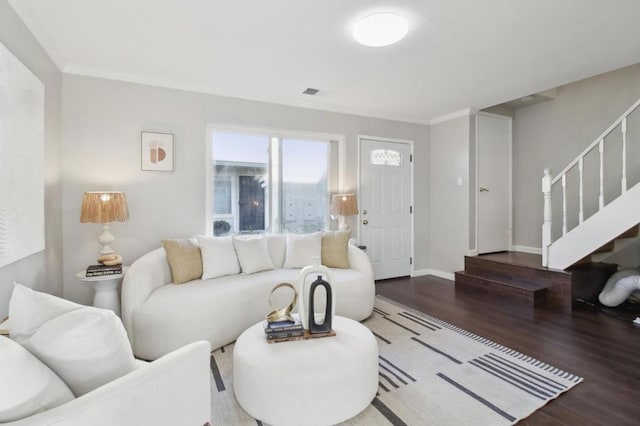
{"type": "Point", "coordinates": [459, 181]}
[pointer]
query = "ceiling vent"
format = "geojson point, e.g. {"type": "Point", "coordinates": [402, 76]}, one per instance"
{"type": "Point", "coordinates": [311, 92]}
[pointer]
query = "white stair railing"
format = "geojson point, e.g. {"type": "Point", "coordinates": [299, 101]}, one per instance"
{"type": "Point", "coordinates": [548, 182]}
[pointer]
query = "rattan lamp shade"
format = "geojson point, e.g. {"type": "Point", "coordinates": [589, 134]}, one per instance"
{"type": "Point", "coordinates": [104, 207]}
{"type": "Point", "coordinates": [344, 205]}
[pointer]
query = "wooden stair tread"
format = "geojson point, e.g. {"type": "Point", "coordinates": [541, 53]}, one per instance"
{"type": "Point", "coordinates": [514, 258]}
{"type": "Point", "coordinates": [520, 277]}
{"type": "Point", "coordinates": [526, 295]}
{"type": "Point", "coordinates": [519, 285]}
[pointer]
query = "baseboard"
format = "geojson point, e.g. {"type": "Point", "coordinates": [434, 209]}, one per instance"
{"type": "Point", "coordinates": [473, 252]}
{"type": "Point", "coordinates": [440, 274]}
{"type": "Point", "coordinates": [421, 272]}
{"type": "Point", "coordinates": [526, 249]}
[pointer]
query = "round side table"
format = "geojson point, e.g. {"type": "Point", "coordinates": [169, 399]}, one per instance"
{"type": "Point", "coordinates": [106, 289]}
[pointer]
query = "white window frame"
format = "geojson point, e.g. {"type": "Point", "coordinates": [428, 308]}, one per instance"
{"type": "Point", "coordinates": [271, 217]}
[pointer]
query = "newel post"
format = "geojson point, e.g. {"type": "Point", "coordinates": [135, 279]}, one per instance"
{"type": "Point", "coordinates": [546, 223]}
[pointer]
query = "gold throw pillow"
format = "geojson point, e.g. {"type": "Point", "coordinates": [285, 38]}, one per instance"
{"type": "Point", "coordinates": [335, 249]}
{"type": "Point", "coordinates": [184, 258]}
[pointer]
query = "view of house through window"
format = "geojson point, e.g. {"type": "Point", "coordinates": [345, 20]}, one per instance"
{"type": "Point", "coordinates": [266, 183]}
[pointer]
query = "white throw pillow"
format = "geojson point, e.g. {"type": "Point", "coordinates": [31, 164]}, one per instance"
{"type": "Point", "coordinates": [27, 386]}
{"type": "Point", "coordinates": [302, 249]}
{"type": "Point", "coordinates": [30, 309]}
{"type": "Point", "coordinates": [253, 254]}
{"type": "Point", "coordinates": [85, 346]}
{"type": "Point", "coordinates": [218, 257]}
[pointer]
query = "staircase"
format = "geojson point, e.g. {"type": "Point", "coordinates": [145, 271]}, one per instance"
{"type": "Point", "coordinates": [613, 221]}
{"type": "Point", "coordinates": [571, 265]}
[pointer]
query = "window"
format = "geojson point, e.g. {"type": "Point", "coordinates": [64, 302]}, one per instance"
{"type": "Point", "coordinates": [222, 195]}
{"type": "Point", "coordinates": [265, 183]}
{"type": "Point", "coordinates": [386, 157]}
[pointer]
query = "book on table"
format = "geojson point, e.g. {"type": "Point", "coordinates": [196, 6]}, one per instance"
{"type": "Point", "coordinates": [98, 270]}
{"type": "Point", "coordinates": [281, 329]}
{"type": "Point", "coordinates": [305, 335]}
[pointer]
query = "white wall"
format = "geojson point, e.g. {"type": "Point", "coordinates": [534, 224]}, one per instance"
{"type": "Point", "coordinates": [449, 213]}
{"type": "Point", "coordinates": [553, 133]}
{"type": "Point", "coordinates": [102, 120]}
{"type": "Point", "coordinates": [41, 271]}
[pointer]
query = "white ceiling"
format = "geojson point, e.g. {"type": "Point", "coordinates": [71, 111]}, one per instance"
{"type": "Point", "coordinates": [458, 53]}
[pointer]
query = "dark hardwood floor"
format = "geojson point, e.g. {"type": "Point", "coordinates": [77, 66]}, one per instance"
{"type": "Point", "coordinates": [602, 349]}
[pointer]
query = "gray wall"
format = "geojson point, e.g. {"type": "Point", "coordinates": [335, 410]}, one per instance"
{"type": "Point", "coordinates": [449, 214]}
{"type": "Point", "coordinates": [551, 134]}
{"type": "Point", "coordinates": [41, 271]}
{"type": "Point", "coordinates": [102, 121]}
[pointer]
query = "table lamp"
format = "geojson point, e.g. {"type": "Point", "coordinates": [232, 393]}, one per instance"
{"type": "Point", "coordinates": [343, 205]}
{"type": "Point", "coordinates": [104, 207]}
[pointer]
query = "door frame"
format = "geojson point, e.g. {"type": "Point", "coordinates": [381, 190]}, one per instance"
{"type": "Point", "coordinates": [475, 251]}
{"type": "Point", "coordinates": [411, 172]}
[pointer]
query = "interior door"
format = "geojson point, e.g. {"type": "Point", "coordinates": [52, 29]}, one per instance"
{"type": "Point", "coordinates": [494, 182]}
{"type": "Point", "coordinates": [385, 206]}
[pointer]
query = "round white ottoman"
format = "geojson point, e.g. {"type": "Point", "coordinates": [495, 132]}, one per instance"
{"type": "Point", "coordinates": [313, 382]}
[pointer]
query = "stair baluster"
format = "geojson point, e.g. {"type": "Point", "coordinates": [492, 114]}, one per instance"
{"type": "Point", "coordinates": [548, 181]}
{"type": "Point", "coordinates": [546, 224]}
{"type": "Point", "coordinates": [623, 127]}
{"type": "Point", "coordinates": [581, 170]}
{"type": "Point", "coordinates": [564, 204]}
{"type": "Point", "coordinates": [601, 198]}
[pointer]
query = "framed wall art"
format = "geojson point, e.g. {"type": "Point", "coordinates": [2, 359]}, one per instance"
{"type": "Point", "coordinates": [157, 151]}
{"type": "Point", "coordinates": [22, 163]}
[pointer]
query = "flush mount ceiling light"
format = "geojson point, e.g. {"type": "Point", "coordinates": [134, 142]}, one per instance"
{"type": "Point", "coordinates": [380, 29]}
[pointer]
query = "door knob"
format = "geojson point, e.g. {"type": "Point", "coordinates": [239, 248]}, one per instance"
{"type": "Point", "coordinates": [365, 222]}
{"type": "Point", "coordinates": [483, 189]}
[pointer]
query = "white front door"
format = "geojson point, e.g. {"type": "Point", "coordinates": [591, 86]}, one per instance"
{"type": "Point", "coordinates": [494, 182]}
{"type": "Point", "coordinates": [385, 206]}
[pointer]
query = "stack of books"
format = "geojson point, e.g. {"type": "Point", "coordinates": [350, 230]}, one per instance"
{"type": "Point", "coordinates": [100, 270]}
{"type": "Point", "coordinates": [275, 331]}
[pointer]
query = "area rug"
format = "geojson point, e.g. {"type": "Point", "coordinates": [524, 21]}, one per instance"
{"type": "Point", "coordinates": [431, 373]}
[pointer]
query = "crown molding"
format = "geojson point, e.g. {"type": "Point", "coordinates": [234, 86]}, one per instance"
{"type": "Point", "coordinates": [22, 9]}
{"type": "Point", "coordinates": [453, 115]}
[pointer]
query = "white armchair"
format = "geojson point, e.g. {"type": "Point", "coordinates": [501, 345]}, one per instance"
{"type": "Point", "coordinates": [172, 390]}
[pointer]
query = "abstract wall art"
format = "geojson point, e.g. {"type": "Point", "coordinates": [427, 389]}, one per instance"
{"type": "Point", "coordinates": [157, 151]}
{"type": "Point", "coordinates": [21, 160]}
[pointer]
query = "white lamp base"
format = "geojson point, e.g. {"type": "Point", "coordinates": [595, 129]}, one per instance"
{"type": "Point", "coordinates": [342, 224]}
{"type": "Point", "coordinates": [106, 238]}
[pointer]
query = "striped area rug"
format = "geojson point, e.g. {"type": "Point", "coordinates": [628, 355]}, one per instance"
{"type": "Point", "coordinates": [431, 373]}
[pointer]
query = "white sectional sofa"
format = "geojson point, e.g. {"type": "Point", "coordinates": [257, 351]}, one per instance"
{"type": "Point", "coordinates": [160, 316]}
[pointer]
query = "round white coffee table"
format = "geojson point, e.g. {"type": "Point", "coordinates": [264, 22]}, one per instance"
{"type": "Point", "coordinates": [106, 289]}
{"type": "Point", "coordinates": [317, 381]}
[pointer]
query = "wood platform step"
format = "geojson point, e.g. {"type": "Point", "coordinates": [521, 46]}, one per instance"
{"type": "Point", "coordinates": [521, 278]}
{"type": "Point", "coordinates": [528, 294]}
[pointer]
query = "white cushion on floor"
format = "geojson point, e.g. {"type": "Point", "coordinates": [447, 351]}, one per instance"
{"type": "Point", "coordinates": [27, 386]}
